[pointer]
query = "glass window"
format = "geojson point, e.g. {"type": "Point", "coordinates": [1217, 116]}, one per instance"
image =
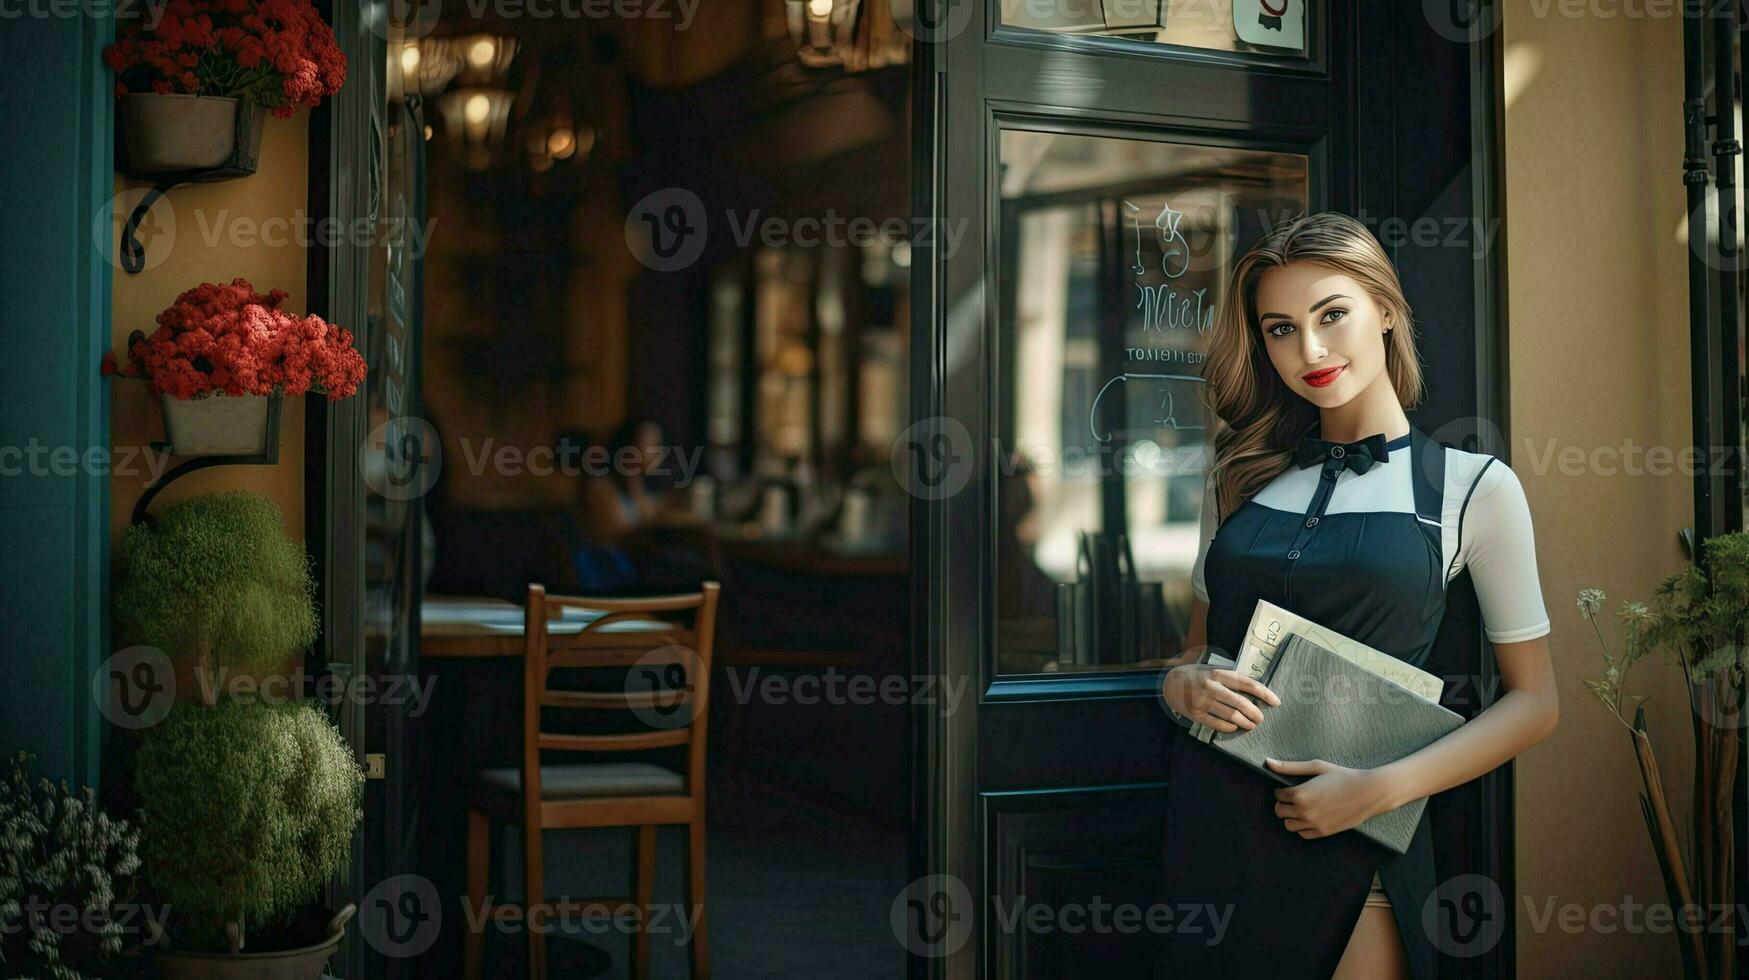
{"type": "Point", "coordinates": [1268, 26]}
{"type": "Point", "coordinates": [1114, 254]}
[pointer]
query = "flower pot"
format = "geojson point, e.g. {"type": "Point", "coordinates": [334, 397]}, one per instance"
{"type": "Point", "coordinates": [182, 133]}
{"type": "Point", "coordinates": [219, 424]}
{"type": "Point", "coordinates": [303, 963]}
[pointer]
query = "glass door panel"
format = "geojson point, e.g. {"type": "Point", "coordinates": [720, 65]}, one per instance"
{"type": "Point", "coordinates": [1114, 254]}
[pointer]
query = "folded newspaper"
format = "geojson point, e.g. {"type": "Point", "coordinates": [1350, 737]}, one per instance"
{"type": "Point", "coordinates": [1270, 627]}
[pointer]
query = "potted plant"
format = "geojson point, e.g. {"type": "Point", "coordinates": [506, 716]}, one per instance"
{"type": "Point", "coordinates": [1700, 614]}
{"type": "Point", "coordinates": [195, 81]}
{"type": "Point", "coordinates": [249, 809]}
{"type": "Point", "coordinates": [248, 804]}
{"type": "Point", "coordinates": [62, 859]}
{"type": "Point", "coordinates": [215, 580]}
{"type": "Point", "coordinates": [223, 354]}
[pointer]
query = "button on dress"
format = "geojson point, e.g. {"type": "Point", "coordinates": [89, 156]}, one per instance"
{"type": "Point", "coordinates": [1364, 547]}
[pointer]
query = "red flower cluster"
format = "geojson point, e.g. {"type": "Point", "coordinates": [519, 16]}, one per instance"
{"type": "Point", "coordinates": [278, 53]}
{"type": "Point", "coordinates": [238, 341]}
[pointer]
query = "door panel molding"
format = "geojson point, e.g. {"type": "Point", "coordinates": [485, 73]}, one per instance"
{"type": "Point", "coordinates": [1064, 850]}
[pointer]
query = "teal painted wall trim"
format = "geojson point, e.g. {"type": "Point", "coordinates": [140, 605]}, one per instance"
{"type": "Point", "coordinates": [54, 408]}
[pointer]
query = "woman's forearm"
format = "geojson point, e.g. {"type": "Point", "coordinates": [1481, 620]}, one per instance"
{"type": "Point", "coordinates": [1519, 720]}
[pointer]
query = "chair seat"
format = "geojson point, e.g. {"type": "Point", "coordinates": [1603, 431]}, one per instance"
{"type": "Point", "coordinates": [589, 781]}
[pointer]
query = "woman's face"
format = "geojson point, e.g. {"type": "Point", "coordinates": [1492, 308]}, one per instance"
{"type": "Point", "coordinates": [1323, 332]}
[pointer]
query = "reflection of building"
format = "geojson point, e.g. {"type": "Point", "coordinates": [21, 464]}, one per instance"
{"type": "Point", "coordinates": [1120, 250]}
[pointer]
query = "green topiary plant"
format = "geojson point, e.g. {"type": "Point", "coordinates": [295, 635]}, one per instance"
{"type": "Point", "coordinates": [248, 808]}
{"type": "Point", "coordinates": [62, 859]}
{"type": "Point", "coordinates": [216, 576]}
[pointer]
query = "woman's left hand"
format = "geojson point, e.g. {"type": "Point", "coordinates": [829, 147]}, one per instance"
{"type": "Point", "coordinates": [1333, 800]}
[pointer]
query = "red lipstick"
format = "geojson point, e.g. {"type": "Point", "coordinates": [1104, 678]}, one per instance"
{"type": "Point", "coordinates": [1320, 379]}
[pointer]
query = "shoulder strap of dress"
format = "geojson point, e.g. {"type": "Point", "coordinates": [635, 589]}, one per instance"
{"type": "Point", "coordinates": [1427, 472]}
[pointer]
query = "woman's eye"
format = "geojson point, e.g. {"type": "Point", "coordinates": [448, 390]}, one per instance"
{"type": "Point", "coordinates": [1279, 329]}
{"type": "Point", "coordinates": [1331, 316]}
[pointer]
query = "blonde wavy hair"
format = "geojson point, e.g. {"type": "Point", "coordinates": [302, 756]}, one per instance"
{"type": "Point", "coordinates": [1261, 419]}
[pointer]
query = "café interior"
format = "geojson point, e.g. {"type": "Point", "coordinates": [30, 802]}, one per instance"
{"type": "Point", "coordinates": [608, 424]}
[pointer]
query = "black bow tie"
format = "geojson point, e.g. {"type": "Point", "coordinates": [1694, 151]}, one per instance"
{"type": "Point", "coordinates": [1357, 456]}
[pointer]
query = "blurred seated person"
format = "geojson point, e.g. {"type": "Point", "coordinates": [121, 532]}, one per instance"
{"type": "Point", "coordinates": [624, 494]}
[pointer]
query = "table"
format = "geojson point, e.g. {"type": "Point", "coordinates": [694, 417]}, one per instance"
{"type": "Point", "coordinates": [475, 626]}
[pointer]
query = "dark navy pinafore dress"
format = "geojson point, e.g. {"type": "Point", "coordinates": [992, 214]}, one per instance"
{"type": "Point", "coordinates": [1376, 577]}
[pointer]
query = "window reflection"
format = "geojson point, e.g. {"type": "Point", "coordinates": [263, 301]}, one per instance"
{"type": "Point", "coordinates": [1114, 254]}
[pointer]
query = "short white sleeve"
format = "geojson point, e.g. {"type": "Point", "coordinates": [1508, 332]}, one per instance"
{"type": "Point", "coordinates": [1209, 522]}
{"type": "Point", "coordinates": [1496, 543]}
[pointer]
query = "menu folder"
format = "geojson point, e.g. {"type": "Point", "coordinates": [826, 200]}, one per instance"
{"type": "Point", "coordinates": [1334, 710]}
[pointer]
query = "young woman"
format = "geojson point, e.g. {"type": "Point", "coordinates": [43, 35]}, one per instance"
{"type": "Point", "coordinates": [1325, 500]}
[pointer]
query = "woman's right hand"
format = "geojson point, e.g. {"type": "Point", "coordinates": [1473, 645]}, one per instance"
{"type": "Point", "coordinates": [1216, 697]}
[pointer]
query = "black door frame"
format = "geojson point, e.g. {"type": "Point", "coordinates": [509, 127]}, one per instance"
{"type": "Point", "coordinates": [949, 543]}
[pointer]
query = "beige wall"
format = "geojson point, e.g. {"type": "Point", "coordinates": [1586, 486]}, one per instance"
{"type": "Point", "coordinates": [252, 227]}
{"type": "Point", "coordinates": [1599, 356]}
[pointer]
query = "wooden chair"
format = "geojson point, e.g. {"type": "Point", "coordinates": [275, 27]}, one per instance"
{"type": "Point", "coordinates": [603, 794]}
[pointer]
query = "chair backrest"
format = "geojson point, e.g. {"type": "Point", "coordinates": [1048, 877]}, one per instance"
{"type": "Point", "coordinates": [668, 687]}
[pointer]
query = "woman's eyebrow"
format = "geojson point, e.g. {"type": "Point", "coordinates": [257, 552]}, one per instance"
{"type": "Point", "coordinates": [1315, 307]}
